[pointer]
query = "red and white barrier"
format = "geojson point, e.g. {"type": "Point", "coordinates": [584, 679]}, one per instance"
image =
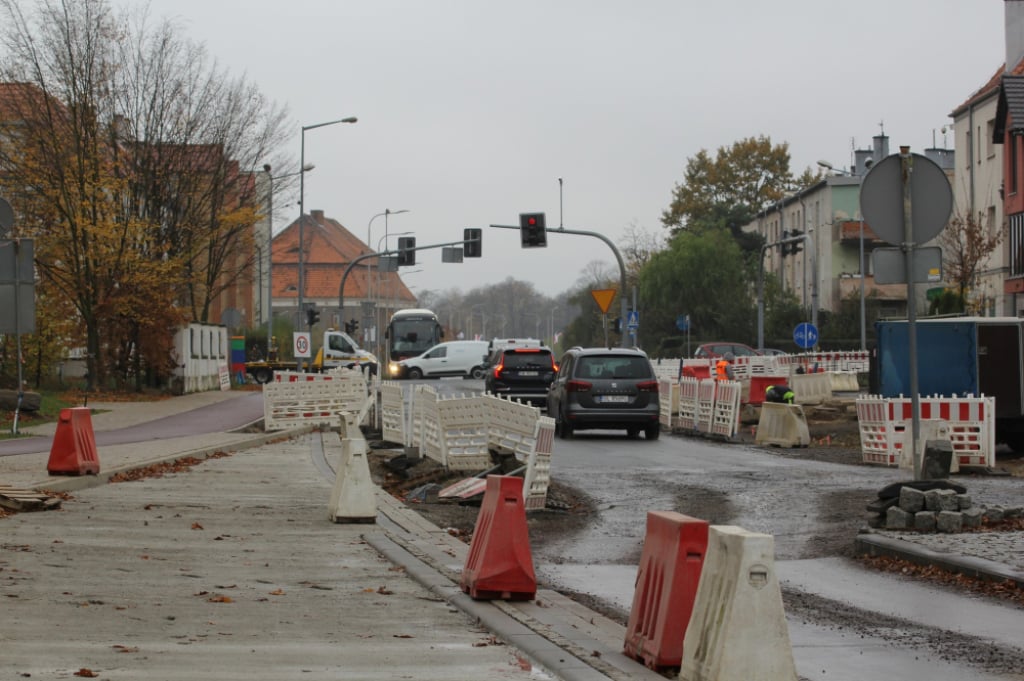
{"type": "Point", "coordinates": [884, 422]}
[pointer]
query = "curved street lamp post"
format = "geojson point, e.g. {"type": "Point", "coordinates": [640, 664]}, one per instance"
{"type": "Point", "coordinates": [302, 216]}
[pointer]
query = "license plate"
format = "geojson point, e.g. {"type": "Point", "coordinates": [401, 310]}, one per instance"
{"type": "Point", "coordinates": [618, 399]}
{"type": "Point", "coordinates": [529, 373]}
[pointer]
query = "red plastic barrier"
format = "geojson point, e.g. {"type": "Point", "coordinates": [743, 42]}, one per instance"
{"type": "Point", "coordinates": [74, 446]}
{"type": "Point", "coordinates": [666, 588]}
{"type": "Point", "coordinates": [758, 384]}
{"type": "Point", "coordinates": [499, 564]}
{"type": "Point", "coordinates": [697, 372]}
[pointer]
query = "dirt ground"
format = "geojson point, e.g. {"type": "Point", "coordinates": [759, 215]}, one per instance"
{"type": "Point", "coordinates": [835, 438]}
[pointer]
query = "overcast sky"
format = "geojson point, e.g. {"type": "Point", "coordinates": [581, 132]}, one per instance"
{"type": "Point", "coordinates": [470, 110]}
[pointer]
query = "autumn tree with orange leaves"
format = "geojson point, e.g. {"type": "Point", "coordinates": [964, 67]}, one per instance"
{"type": "Point", "coordinates": [130, 158]}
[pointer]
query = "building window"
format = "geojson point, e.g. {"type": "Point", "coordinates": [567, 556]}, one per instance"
{"type": "Point", "coordinates": [990, 146]}
{"type": "Point", "coordinates": [1012, 168]}
{"type": "Point", "coordinates": [1016, 225]}
{"type": "Point", "coordinates": [970, 152]}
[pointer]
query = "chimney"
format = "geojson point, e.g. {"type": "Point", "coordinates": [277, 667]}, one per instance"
{"type": "Point", "coordinates": [1014, 26]}
{"type": "Point", "coordinates": [318, 216]}
{"type": "Point", "coordinates": [863, 161]}
{"type": "Point", "coordinates": [881, 147]}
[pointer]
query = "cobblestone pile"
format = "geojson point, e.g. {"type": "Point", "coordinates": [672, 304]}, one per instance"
{"type": "Point", "coordinates": [946, 510]}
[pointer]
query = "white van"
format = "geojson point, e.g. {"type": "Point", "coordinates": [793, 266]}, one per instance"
{"type": "Point", "coordinates": [454, 358]}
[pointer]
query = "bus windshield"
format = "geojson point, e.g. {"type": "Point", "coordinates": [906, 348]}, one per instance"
{"type": "Point", "coordinates": [411, 333]}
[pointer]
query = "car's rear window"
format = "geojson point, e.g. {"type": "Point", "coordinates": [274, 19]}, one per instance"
{"type": "Point", "coordinates": [523, 360]}
{"type": "Point", "coordinates": [613, 366]}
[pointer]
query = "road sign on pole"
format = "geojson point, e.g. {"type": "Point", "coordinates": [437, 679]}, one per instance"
{"type": "Point", "coordinates": [805, 335]}
{"type": "Point", "coordinates": [633, 320]}
{"type": "Point", "coordinates": [603, 297]}
{"type": "Point", "coordinates": [301, 341]}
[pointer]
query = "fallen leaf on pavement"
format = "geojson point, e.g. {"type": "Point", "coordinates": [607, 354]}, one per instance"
{"type": "Point", "coordinates": [277, 592]}
{"type": "Point", "coordinates": [86, 673]}
{"type": "Point", "coordinates": [197, 526]}
{"type": "Point", "coordinates": [402, 636]}
{"type": "Point", "coordinates": [384, 591]}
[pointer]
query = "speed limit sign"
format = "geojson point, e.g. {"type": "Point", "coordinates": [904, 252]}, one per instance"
{"type": "Point", "coordinates": [300, 340]}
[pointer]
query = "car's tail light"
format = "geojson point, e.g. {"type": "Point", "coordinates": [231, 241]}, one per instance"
{"type": "Point", "coordinates": [554, 366]}
{"type": "Point", "coordinates": [647, 386]}
{"type": "Point", "coordinates": [578, 386]}
{"type": "Point", "coordinates": [497, 370]}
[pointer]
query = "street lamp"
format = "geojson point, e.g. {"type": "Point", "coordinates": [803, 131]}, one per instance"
{"type": "Point", "coordinates": [551, 325]}
{"type": "Point", "coordinates": [863, 312]}
{"type": "Point", "coordinates": [306, 167]}
{"type": "Point", "coordinates": [302, 213]}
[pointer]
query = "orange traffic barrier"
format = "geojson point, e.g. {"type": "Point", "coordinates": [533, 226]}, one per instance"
{"type": "Point", "coordinates": [74, 446]}
{"type": "Point", "coordinates": [499, 564]}
{"type": "Point", "coordinates": [758, 384]}
{"type": "Point", "coordinates": [666, 588]}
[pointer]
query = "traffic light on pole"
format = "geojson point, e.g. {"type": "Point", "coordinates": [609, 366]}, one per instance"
{"type": "Point", "coordinates": [796, 246]}
{"type": "Point", "coordinates": [473, 248]}
{"type": "Point", "coordinates": [783, 247]}
{"type": "Point", "coordinates": [351, 326]}
{"type": "Point", "coordinates": [406, 251]}
{"type": "Point", "coordinates": [312, 316]}
{"type": "Point", "coordinates": [532, 231]}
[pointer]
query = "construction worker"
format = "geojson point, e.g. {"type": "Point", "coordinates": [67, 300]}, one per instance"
{"type": "Point", "coordinates": [781, 394]}
{"type": "Point", "coordinates": [723, 367]}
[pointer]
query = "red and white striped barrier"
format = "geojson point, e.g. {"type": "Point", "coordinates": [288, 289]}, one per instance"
{"type": "Point", "coordinates": [884, 425]}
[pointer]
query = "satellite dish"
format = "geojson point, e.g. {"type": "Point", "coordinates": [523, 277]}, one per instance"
{"type": "Point", "coordinates": [6, 217]}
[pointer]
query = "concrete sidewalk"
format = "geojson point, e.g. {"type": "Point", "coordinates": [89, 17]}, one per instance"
{"type": "Point", "coordinates": [233, 570]}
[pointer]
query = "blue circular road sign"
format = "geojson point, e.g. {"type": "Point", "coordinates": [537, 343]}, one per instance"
{"type": "Point", "coordinates": [805, 335]}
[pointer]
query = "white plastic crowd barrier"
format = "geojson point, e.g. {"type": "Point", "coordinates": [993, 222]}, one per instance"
{"type": "Point", "coordinates": [844, 381]}
{"type": "Point", "coordinates": [725, 417]}
{"type": "Point", "coordinates": [392, 413]}
{"type": "Point", "coordinates": [667, 368]}
{"type": "Point", "coordinates": [668, 390]}
{"type": "Point", "coordinates": [884, 422]}
{"type": "Point", "coordinates": [538, 466]}
{"type": "Point", "coordinates": [811, 388]}
{"type": "Point", "coordinates": [706, 406]}
{"type": "Point", "coordinates": [459, 432]}
{"type": "Point", "coordinates": [688, 389]}
{"type": "Point", "coordinates": [295, 399]}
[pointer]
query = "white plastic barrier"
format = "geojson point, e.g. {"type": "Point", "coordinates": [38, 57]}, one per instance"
{"type": "Point", "coordinates": [512, 425]}
{"type": "Point", "coordinates": [667, 368]}
{"type": "Point", "coordinates": [738, 628]}
{"type": "Point", "coordinates": [883, 423]}
{"type": "Point", "coordinates": [857, 361]}
{"type": "Point", "coordinates": [688, 403]}
{"type": "Point", "coordinates": [538, 466]}
{"type": "Point", "coordinates": [705, 404]}
{"type": "Point", "coordinates": [392, 413]}
{"type": "Point", "coordinates": [761, 365]}
{"type": "Point", "coordinates": [668, 401]}
{"type": "Point", "coordinates": [811, 388]}
{"type": "Point", "coordinates": [844, 381]}
{"type": "Point", "coordinates": [426, 425]}
{"type": "Point", "coordinates": [725, 419]}
{"type": "Point", "coordinates": [463, 427]}
{"type": "Point", "coordinates": [783, 425]}
{"type": "Point", "coordinates": [287, 404]}
{"type": "Point", "coordinates": [877, 436]}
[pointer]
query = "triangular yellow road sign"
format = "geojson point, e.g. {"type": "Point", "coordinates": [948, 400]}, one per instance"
{"type": "Point", "coordinates": [603, 297]}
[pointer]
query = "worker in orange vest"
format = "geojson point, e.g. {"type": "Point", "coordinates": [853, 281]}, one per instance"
{"type": "Point", "coordinates": [723, 367]}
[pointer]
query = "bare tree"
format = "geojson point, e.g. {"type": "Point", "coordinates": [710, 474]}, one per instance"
{"type": "Point", "coordinates": [967, 242]}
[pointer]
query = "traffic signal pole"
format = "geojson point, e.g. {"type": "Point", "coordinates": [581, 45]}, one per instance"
{"type": "Point", "coordinates": [380, 254]}
{"type": "Point", "coordinates": [623, 306]}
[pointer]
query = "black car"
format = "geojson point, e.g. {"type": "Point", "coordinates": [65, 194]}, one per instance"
{"type": "Point", "coordinates": [521, 373]}
{"type": "Point", "coordinates": [607, 388]}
